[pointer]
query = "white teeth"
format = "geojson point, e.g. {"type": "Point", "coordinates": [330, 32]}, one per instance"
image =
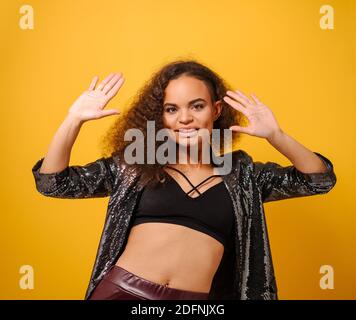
{"type": "Point", "coordinates": [187, 133]}
{"type": "Point", "coordinates": [187, 130]}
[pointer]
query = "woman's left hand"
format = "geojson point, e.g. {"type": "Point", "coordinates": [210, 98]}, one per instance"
{"type": "Point", "coordinates": [262, 122]}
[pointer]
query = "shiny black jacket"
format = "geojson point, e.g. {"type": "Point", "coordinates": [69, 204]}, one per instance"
{"type": "Point", "coordinates": [247, 271]}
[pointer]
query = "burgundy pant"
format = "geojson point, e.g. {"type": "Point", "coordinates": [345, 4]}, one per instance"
{"type": "Point", "coordinates": [120, 284]}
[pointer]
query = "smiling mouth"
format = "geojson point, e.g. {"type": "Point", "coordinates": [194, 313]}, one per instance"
{"type": "Point", "coordinates": [187, 132]}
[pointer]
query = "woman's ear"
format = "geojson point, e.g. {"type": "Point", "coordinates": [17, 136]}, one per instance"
{"type": "Point", "coordinates": [217, 109]}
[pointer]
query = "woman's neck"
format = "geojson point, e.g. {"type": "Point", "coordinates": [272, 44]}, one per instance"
{"type": "Point", "coordinates": [186, 162]}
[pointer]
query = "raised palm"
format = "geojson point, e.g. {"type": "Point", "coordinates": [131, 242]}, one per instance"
{"type": "Point", "coordinates": [262, 122]}
{"type": "Point", "coordinates": [91, 103]}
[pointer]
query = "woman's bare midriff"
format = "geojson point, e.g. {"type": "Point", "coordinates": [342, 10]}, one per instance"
{"type": "Point", "coordinates": [172, 255]}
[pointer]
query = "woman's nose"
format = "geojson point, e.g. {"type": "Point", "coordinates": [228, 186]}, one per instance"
{"type": "Point", "coordinates": [185, 116]}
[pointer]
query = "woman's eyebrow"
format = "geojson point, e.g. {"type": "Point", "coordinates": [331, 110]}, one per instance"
{"type": "Point", "coordinates": [190, 102]}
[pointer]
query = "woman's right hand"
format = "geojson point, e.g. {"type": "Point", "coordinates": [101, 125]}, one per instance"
{"type": "Point", "coordinates": [91, 103]}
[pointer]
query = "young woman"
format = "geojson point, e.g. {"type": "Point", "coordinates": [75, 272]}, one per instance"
{"type": "Point", "coordinates": [181, 230]}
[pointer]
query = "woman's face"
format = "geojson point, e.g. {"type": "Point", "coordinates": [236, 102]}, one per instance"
{"type": "Point", "coordinates": [187, 107]}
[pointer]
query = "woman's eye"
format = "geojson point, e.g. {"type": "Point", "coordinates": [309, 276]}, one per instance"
{"type": "Point", "coordinates": [170, 109]}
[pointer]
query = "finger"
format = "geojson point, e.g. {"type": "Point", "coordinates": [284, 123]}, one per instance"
{"type": "Point", "coordinates": [256, 99]}
{"type": "Point", "coordinates": [111, 83]}
{"type": "Point", "coordinates": [240, 129]}
{"type": "Point", "coordinates": [236, 105]}
{"type": "Point", "coordinates": [115, 88]}
{"type": "Point", "coordinates": [93, 83]}
{"type": "Point", "coordinates": [109, 112]}
{"type": "Point", "coordinates": [244, 96]}
{"type": "Point", "coordinates": [105, 81]}
{"type": "Point", "coordinates": [237, 97]}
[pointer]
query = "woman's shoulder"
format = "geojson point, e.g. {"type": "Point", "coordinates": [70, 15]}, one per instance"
{"type": "Point", "coordinates": [240, 155]}
{"type": "Point", "coordinates": [231, 161]}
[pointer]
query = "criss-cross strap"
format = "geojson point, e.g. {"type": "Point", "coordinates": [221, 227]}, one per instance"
{"type": "Point", "coordinates": [194, 187]}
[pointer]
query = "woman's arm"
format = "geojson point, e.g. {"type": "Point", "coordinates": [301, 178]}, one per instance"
{"type": "Point", "coordinates": [277, 182]}
{"type": "Point", "coordinates": [311, 172]}
{"type": "Point", "coordinates": [302, 158]}
{"type": "Point", "coordinates": [89, 106]}
{"type": "Point", "coordinates": [58, 155]}
{"type": "Point", "coordinates": [53, 175]}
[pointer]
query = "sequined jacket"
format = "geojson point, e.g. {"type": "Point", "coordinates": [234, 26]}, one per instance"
{"type": "Point", "coordinates": [247, 271]}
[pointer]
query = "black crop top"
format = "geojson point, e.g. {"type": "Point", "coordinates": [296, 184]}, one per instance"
{"type": "Point", "coordinates": [211, 212]}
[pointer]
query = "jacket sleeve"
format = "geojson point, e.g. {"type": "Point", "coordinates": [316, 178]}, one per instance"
{"type": "Point", "coordinates": [95, 179]}
{"type": "Point", "coordinates": [278, 183]}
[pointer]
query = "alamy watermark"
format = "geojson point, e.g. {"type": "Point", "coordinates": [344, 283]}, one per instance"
{"type": "Point", "coordinates": [327, 280]}
{"type": "Point", "coordinates": [327, 20]}
{"type": "Point", "coordinates": [166, 153]}
{"type": "Point", "coordinates": [26, 281]}
{"type": "Point", "coordinates": [27, 19]}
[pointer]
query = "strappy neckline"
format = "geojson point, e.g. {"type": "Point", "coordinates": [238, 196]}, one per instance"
{"type": "Point", "coordinates": [194, 187]}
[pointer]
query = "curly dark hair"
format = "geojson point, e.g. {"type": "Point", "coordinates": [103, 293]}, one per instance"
{"type": "Point", "coordinates": [148, 105]}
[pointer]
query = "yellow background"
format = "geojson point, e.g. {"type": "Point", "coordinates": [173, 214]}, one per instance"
{"type": "Point", "coordinates": [275, 49]}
